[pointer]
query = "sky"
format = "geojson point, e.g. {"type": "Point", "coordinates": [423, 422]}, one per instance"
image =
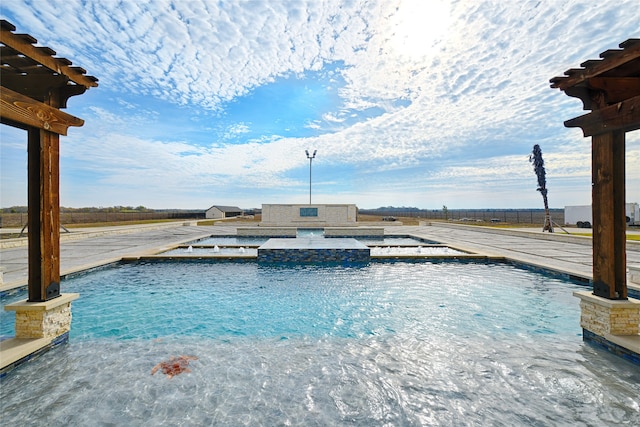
{"type": "Point", "coordinates": [424, 103]}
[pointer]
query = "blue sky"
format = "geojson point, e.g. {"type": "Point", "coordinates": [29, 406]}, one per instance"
{"type": "Point", "coordinates": [408, 103]}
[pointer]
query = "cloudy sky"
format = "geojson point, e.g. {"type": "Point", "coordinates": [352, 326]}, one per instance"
{"type": "Point", "coordinates": [408, 103]}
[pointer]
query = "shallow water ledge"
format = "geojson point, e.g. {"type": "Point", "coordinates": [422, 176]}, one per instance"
{"type": "Point", "coordinates": [16, 351]}
{"type": "Point", "coordinates": [626, 347]}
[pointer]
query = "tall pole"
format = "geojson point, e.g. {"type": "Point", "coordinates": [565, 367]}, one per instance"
{"type": "Point", "coordinates": [310, 162]}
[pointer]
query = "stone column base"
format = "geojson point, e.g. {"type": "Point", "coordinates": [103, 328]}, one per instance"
{"type": "Point", "coordinates": [47, 319]}
{"type": "Point", "coordinates": [604, 316]}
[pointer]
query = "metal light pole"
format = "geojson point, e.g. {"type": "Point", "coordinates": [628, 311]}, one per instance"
{"type": "Point", "coordinates": [310, 162]}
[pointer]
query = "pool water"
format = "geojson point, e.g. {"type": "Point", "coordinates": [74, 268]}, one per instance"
{"type": "Point", "coordinates": [230, 240]}
{"type": "Point", "coordinates": [394, 241]}
{"type": "Point", "coordinates": [423, 343]}
{"type": "Point", "coordinates": [212, 250]}
{"type": "Point", "coordinates": [310, 232]}
{"type": "Point", "coordinates": [414, 250]}
{"type": "Point", "coordinates": [257, 240]}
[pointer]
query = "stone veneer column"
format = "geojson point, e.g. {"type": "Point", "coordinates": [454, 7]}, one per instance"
{"type": "Point", "coordinates": [604, 316]}
{"type": "Point", "coordinates": [48, 319]}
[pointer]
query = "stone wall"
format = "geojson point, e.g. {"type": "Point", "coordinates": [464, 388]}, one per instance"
{"type": "Point", "coordinates": [48, 319]}
{"type": "Point", "coordinates": [267, 231]}
{"type": "Point", "coordinates": [43, 324]}
{"type": "Point", "coordinates": [353, 231]}
{"type": "Point", "coordinates": [602, 316]}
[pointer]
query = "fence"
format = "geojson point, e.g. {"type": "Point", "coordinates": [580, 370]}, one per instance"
{"type": "Point", "coordinates": [513, 216]}
{"type": "Point", "coordinates": [66, 218]}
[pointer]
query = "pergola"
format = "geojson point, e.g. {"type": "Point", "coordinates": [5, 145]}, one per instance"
{"type": "Point", "coordinates": [610, 88]}
{"type": "Point", "coordinates": [35, 85]}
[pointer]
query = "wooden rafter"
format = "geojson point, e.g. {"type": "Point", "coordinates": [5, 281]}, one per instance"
{"type": "Point", "coordinates": [613, 63]}
{"type": "Point", "coordinates": [26, 56]}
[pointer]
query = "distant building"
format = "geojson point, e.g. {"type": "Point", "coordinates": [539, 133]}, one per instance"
{"type": "Point", "coordinates": [219, 212]}
{"type": "Point", "coordinates": [576, 214]}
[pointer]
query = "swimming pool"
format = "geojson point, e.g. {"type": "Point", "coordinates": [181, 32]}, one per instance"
{"type": "Point", "coordinates": [403, 343]}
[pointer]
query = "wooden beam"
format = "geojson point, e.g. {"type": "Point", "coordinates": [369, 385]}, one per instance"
{"type": "Point", "coordinates": [44, 215]}
{"type": "Point", "coordinates": [616, 89]}
{"type": "Point", "coordinates": [35, 86]}
{"type": "Point", "coordinates": [623, 116]}
{"type": "Point", "coordinates": [609, 222]}
{"type": "Point", "coordinates": [22, 109]}
{"type": "Point", "coordinates": [619, 219]}
{"type": "Point", "coordinates": [23, 44]}
{"type": "Point", "coordinates": [586, 96]}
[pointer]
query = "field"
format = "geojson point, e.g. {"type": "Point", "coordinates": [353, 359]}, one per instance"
{"type": "Point", "coordinates": [102, 219]}
{"type": "Point", "coordinates": [87, 219]}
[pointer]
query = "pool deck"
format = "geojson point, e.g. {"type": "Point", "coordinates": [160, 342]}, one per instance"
{"type": "Point", "coordinates": [88, 248]}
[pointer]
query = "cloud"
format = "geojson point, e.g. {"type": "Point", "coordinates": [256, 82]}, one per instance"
{"type": "Point", "coordinates": [456, 88]}
{"type": "Point", "coordinates": [331, 117]}
{"type": "Point", "coordinates": [236, 130]}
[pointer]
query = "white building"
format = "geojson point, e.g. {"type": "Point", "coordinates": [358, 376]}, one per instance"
{"type": "Point", "coordinates": [219, 212]}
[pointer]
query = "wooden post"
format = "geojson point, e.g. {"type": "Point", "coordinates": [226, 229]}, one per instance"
{"type": "Point", "coordinates": [608, 207]}
{"type": "Point", "coordinates": [44, 215]}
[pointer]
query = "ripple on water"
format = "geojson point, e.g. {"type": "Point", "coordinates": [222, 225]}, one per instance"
{"type": "Point", "coordinates": [384, 344]}
{"type": "Point", "coordinates": [394, 379]}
